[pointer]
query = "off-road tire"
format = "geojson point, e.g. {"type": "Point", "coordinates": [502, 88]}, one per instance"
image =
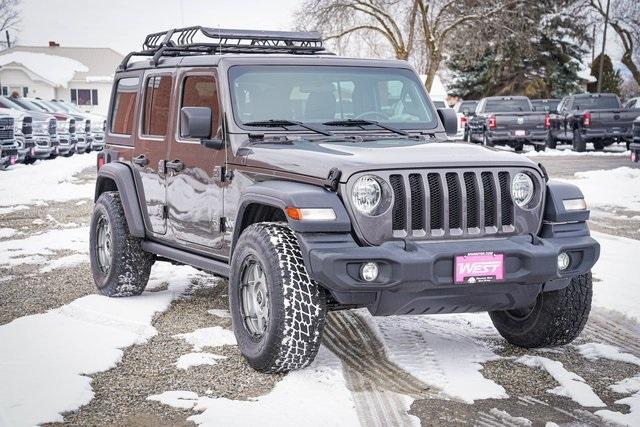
{"type": "Point", "coordinates": [551, 142]}
{"type": "Point", "coordinates": [579, 144]}
{"type": "Point", "coordinates": [130, 265]}
{"type": "Point", "coordinates": [557, 317]}
{"type": "Point", "coordinates": [297, 304]}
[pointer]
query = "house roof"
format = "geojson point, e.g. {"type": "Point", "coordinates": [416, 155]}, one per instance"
{"type": "Point", "coordinates": [100, 61]}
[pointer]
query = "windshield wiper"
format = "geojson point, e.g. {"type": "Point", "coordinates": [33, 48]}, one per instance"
{"type": "Point", "coordinates": [283, 123]}
{"type": "Point", "coordinates": [362, 122]}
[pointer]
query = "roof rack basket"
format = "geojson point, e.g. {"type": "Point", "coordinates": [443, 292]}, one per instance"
{"type": "Point", "coordinates": [199, 40]}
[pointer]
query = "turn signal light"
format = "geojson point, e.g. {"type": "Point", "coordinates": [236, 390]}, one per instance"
{"type": "Point", "coordinates": [311, 214]}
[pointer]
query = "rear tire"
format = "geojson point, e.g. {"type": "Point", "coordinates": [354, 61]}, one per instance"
{"type": "Point", "coordinates": [486, 141]}
{"type": "Point", "coordinates": [119, 266]}
{"type": "Point", "coordinates": [518, 147]}
{"type": "Point", "coordinates": [598, 145]}
{"type": "Point", "coordinates": [551, 142]}
{"type": "Point", "coordinates": [579, 145]}
{"type": "Point", "coordinates": [556, 318]}
{"type": "Point", "coordinates": [539, 148]}
{"type": "Point", "coordinates": [289, 336]}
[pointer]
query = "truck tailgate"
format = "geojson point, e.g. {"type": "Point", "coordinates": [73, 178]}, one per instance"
{"type": "Point", "coordinates": [517, 123]}
{"type": "Point", "coordinates": [614, 121]}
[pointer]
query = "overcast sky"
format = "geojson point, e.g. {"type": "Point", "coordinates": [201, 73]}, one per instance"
{"type": "Point", "coordinates": [122, 24]}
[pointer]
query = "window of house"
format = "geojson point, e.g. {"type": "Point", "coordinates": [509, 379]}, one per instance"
{"type": "Point", "coordinates": [157, 99]}
{"type": "Point", "coordinates": [124, 106]}
{"type": "Point", "coordinates": [201, 91]}
{"type": "Point", "coordinates": [84, 96]}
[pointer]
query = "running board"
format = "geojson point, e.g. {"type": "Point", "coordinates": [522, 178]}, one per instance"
{"type": "Point", "coordinates": [198, 261]}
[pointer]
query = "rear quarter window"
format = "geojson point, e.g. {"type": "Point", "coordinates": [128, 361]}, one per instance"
{"type": "Point", "coordinates": [124, 105]}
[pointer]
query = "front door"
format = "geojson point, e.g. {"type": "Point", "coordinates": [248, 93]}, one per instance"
{"type": "Point", "coordinates": [194, 195]}
{"type": "Point", "coordinates": [151, 148]}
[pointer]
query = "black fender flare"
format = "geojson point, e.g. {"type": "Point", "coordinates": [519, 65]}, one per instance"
{"type": "Point", "coordinates": [283, 194]}
{"type": "Point", "coordinates": [121, 175]}
{"type": "Point", "coordinates": [554, 210]}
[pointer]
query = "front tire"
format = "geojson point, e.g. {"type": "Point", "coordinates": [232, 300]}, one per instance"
{"type": "Point", "coordinates": [551, 142]}
{"type": "Point", "coordinates": [292, 306]}
{"type": "Point", "coordinates": [556, 317]}
{"type": "Point", "coordinates": [119, 266]}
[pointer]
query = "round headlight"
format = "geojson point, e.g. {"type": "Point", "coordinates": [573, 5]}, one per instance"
{"type": "Point", "coordinates": [366, 194]}
{"type": "Point", "coordinates": [522, 189]}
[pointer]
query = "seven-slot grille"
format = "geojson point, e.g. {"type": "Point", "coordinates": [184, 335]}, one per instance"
{"type": "Point", "coordinates": [444, 204]}
{"type": "Point", "coordinates": [6, 128]}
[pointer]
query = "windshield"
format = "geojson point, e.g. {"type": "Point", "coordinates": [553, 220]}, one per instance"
{"type": "Point", "coordinates": [7, 103]}
{"type": "Point", "coordinates": [312, 94]}
{"type": "Point", "coordinates": [596, 103]}
{"type": "Point", "coordinates": [29, 105]}
{"type": "Point", "coordinates": [550, 105]}
{"type": "Point", "coordinates": [506, 105]}
{"type": "Point", "coordinates": [47, 105]}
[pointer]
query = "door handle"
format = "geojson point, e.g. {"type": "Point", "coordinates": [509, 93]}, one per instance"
{"type": "Point", "coordinates": [175, 165]}
{"type": "Point", "coordinates": [141, 160]}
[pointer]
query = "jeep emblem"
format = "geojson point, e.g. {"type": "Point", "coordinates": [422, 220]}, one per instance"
{"type": "Point", "coordinates": [520, 120]}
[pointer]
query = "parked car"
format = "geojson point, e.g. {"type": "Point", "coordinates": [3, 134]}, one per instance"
{"type": "Point", "coordinates": [634, 146]}
{"type": "Point", "coordinates": [508, 120]}
{"type": "Point", "coordinates": [8, 145]}
{"type": "Point", "coordinates": [44, 131]}
{"type": "Point", "coordinates": [97, 126]}
{"type": "Point", "coordinates": [71, 127]}
{"type": "Point", "coordinates": [60, 137]}
{"type": "Point", "coordinates": [331, 201]}
{"type": "Point", "coordinates": [23, 130]}
{"type": "Point", "coordinates": [591, 117]}
{"type": "Point", "coordinates": [632, 104]}
{"type": "Point", "coordinates": [464, 110]}
{"type": "Point", "coordinates": [547, 105]}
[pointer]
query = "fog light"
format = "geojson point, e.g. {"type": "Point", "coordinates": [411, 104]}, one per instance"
{"type": "Point", "coordinates": [563, 261]}
{"type": "Point", "coordinates": [369, 271]}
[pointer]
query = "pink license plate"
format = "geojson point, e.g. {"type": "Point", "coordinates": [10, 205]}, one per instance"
{"type": "Point", "coordinates": [479, 267]}
{"type": "Point", "coordinates": [520, 133]}
{"type": "Point", "coordinates": [13, 160]}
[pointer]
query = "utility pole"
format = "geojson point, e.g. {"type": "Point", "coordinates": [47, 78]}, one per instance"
{"type": "Point", "coordinates": [593, 45]}
{"type": "Point", "coordinates": [604, 44]}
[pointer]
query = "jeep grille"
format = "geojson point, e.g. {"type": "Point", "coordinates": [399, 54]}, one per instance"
{"type": "Point", "coordinates": [450, 204]}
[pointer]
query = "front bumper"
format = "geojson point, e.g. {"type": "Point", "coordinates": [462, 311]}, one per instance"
{"type": "Point", "coordinates": [97, 142]}
{"type": "Point", "coordinates": [535, 137]}
{"type": "Point", "coordinates": [418, 278]}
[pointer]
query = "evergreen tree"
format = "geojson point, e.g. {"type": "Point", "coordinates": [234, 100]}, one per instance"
{"type": "Point", "coordinates": [611, 79]}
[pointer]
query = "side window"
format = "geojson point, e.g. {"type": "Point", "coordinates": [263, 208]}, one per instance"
{"type": "Point", "coordinates": [201, 91]}
{"type": "Point", "coordinates": [157, 97]}
{"type": "Point", "coordinates": [124, 106]}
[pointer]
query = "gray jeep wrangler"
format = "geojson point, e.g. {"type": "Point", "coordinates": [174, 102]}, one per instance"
{"type": "Point", "coordinates": [317, 183]}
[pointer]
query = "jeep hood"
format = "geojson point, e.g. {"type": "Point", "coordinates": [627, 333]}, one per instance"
{"type": "Point", "coordinates": [316, 159]}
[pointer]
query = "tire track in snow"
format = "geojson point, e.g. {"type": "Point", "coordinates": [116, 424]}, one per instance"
{"type": "Point", "coordinates": [382, 390]}
{"type": "Point", "coordinates": [612, 328]}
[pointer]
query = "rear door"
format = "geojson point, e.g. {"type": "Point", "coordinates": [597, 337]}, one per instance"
{"type": "Point", "coordinates": [151, 146]}
{"type": "Point", "coordinates": [194, 184]}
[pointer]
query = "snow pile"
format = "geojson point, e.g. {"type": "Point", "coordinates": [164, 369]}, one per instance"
{"type": "Point", "coordinates": [11, 209]}
{"type": "Point", "coordinates": [626, 386]}
{"type": "Point", "coordinates": [46, 181]}
{"type": "Point", "coordinates": [196, 359]}
{"type": "Point", "coordinates": [36, 249]}
{"type": "Point", "coordinates": [451, 348]}
{"type": "Point", "coordinates": [45, 374]}
{"type": "Point", "coordinates": [208, 337]}
{"type": "Point", "coordinates": [57, 70]}
{"type": "Point", "coordinates": [7, 232]}
{"type": "Point", "coordinates": [619, 285]}
{"type": "Point", "coordinates": [99, 79]}
{"type": "Point", "coordinates": [616, 188]}
{"type": "Point", "coordinates": [294, 401]}
{"type": "Point", "coordinates": [612, 151]}
{"type": "Point", "coordinates": [571, 384]}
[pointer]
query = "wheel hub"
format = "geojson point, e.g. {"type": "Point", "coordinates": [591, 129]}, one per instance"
{"type": "Point", "coordinates": [254, 298]}
{"type": "Point", "coordinates": [103, 244]}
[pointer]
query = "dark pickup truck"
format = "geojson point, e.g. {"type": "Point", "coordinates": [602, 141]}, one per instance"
{"type": "Point", "coordinates": [509, 120]}
{"type": "Point", "coordinates": [591, 117]}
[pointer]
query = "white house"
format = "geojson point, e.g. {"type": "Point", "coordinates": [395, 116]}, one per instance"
{"type": "Point", "coordinates": [81, 75]}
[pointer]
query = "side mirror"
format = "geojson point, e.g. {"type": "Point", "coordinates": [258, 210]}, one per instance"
{"type": "Point", "coordinates": [449, 120]}
{"type": "Point", "coordinates": [195, 122]}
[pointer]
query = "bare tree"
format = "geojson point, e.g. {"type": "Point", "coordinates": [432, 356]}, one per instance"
{"type": "Point", "coordinates": [9, 17]}
{"type": "Point", "coordinates": [624, 18]}
{"type": "Point", "coordinates": [414, 29]}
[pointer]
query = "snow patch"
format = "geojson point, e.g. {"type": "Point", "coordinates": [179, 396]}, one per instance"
{"type": "Point", "coordinates": [610, 188]}
{"type": "Point", "coordinates": [35, 249]}
{"type": "Point", "coordinates": [208, 337]}
{"type": "Point", "coordinates": [46, 182]}
{"type": "Point", "coordinates": [626, 386]}
{"type": "Point", "coordinates": [509, 419]}
{"type": "Point", "coordinates": [594, 351]}
{"type": "Point", "coordinates": [46, 375]}
{"type": "Point", "coordinates": [568, 152]}
{"type": "Point", "coordinates": [196, 359]}
{"type": "Point", "coordinates": [571, 385]}
{"type": "Point", "coordinates": [292, 402]}
{"type": "Point", "coordinates": [10, 209]}
{"type": "Point", "coordinates": [7, 232]}
{"type": "Point", "coordinates": [219, 313]}
{"type": "Point", "coordinates": [58, 70]}
{"type": "Point", "coordinates": [65, 261]}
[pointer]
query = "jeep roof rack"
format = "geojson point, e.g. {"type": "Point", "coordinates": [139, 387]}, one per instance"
{"type": "Point", "coordinates": [199, 40]}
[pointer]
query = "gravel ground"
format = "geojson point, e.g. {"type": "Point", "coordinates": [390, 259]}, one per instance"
{"type": "Point", "coordinates": [120, 393]}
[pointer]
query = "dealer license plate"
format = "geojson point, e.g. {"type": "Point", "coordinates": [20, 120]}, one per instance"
{"type": "Point", "coordinates": [479, 267]}
{"type": "Point", "coordinates": [13, 160]}
{"type": "Point", "coordinates": [521, 133]}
